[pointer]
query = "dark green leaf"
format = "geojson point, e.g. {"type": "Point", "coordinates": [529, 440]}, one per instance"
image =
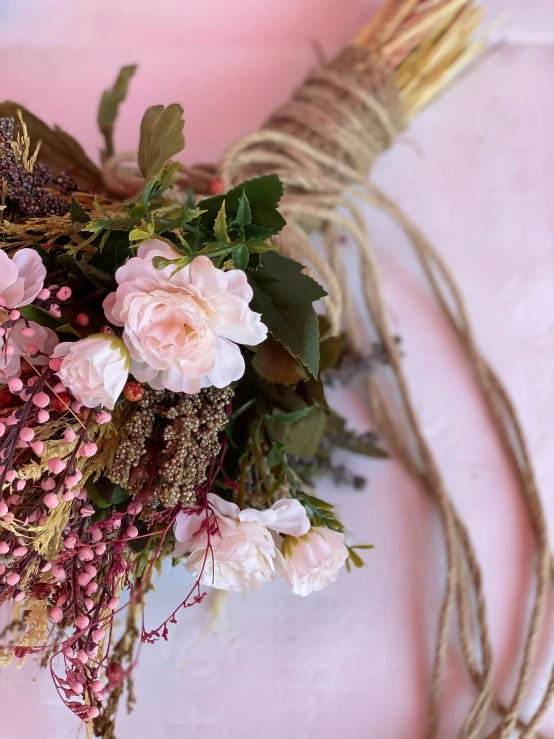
{"type": "Point", "coordinates": [105, 493]}
{"type": "Point", "coordinates": [78, 213]}
{"type": "Point", "coordinates": [87, 271]}
{"type": "Point", "coordinates": [284, 297]}
{"type": "Point", "coordinates": [263, 193]}
{"type": "Point", "coordinates": [244, 216]}
{"type": "Point", "coordinates": [241, 256]}
{"type": "Point", "coordinates": [67, 329]}
{"type": "Point", "coordinates": [161, 137]}
{"type": "Point", "coordinates": [59, 151]}
{"type": "Point", "coordinates": [109, 105]}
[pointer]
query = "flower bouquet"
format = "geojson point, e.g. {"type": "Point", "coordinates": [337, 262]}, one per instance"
{"type": "Point", "coordinates": [162, 396]}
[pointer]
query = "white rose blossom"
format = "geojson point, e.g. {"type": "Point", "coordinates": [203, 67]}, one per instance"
{"type": "Point", "coordinates": [313, 560]}
{"type": "Point", "coordinates": [94, 369]}
{"type": "Point", "coordinates": [182, 326]}
{"type": "Point", "coordinates": [242, 553]}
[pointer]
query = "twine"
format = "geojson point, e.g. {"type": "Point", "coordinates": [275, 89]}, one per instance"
{"type": "Point", "coordinates": [322, 144]}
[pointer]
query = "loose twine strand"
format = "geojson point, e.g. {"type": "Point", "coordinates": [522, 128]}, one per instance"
{"type": "Point", "coordinates": [322, 144]}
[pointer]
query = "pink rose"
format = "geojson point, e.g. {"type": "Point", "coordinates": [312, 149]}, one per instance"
{"type": "Point", "coordinates": [21, 278]}
{"type": "Point", "coordinates": [313, 560]}
{"type": "Point", "coordinates": [182, 328]}
{"type": "Point", "coordinates": [13, 346]}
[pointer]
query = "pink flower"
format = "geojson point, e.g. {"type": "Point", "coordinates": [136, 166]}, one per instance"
{"type": "Point", "coordinates": [313, 561]}
{"type": "Point", "coordinates": [21, 278]}
{"type": "Point", "coordinates": [94, 369]}
{"type": "Point", "coordinates": [244, 553]}
{"type": "Point", "coordinates": [13, 345]}
{"type": "Point", "coordinates": [182, 328]}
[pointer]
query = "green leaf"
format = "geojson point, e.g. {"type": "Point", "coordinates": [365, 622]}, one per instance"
{"type": "Point", "coordinates": [274, 457]}
{"type": "Point", "coordinates": [284, 297]}
{"type": "Point", "coordinates": [289, 417]}
{"type": "Point", "coordinates": [356, 560]}
{"type": "Point", "coordinates": [40, 316]}
{"type": "Point", "coordinates": [260, 247]}
{"type": "Point", "coordinates": [302, 438]}
{"type": "Point", "coordinates": [105, 493]}
{"type": "Point", "coordinates": [78, 213]}
{"type": "Point", "coordinates": [109, 106]}
{"type": "Point", "coordinates": [86, 271]}
{"type": "Point", "coordinates": [59, 151]}
{"type": "Point", "coordinates": [241, 255]}
{"type": "Point", "coordinates": [161, 137]}
{"type": "Point", "coordinates": [244, 216]}
{"type": "Point", "coordinates": [220, 226]}
{"type": "Point", "coordinates": [263, 193]}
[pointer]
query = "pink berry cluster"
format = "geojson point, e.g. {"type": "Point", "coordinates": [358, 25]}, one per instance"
{"type": "Point", "coordinates": [90, 571]}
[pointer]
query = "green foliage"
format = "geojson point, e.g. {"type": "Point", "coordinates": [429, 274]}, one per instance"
{"type": "Point", "coordinates": [78, 213]}
{"type": "Point", "coordinates": [318, 511]}
{"type": "Point", "coordinates": [353, 557]}
{"type": "Point", "coordinates": [109, 106]}
{"type": "Point", "coordinates": [284, 297]}
{"type": "Point", "coordinates": [105, 494]}
{"type": "Point", "coordinates": [161, 137]}
{"type": "Point", "coordinates": [262, 195]}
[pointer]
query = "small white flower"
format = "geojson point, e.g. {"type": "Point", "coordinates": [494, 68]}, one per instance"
{"type": "Point", "coordinates": [313, 561]}
{"type": "Point", "coordinates": [243, 553]}
{"type": "Point", "coordinates": [94, 369]}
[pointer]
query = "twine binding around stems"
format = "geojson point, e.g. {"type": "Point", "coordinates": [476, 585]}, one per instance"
{"type": "Point", "coordinates": [322, 143]}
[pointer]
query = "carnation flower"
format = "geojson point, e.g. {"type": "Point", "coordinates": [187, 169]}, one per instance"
{"type": "Point", "coordinates": [94, 369]}
{"type": "Point", "coordinates": [313, 561]}
{"type": "Point", "coordinates": [243, 553]}
{"type": "Point", "coordinates": [21, 278]}
{"type": "Point", "coordinates": [182, 327]}
{"type": "Point", "coordinates": [14, 343]}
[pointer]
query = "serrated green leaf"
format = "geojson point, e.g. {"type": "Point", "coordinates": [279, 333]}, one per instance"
{"type": "Point", "coordinates": [161, 137]}
{"type": "Point", "coordinates": [263, 193]}
{"type": "Point", "coordinates": [244, 216]}
{"type": "Point", "coordinates": [275, 364]}
{"type": "Point", "coordinates": [220, 225]}
{"type": "Point", "coordinates": [284, 297]}
{"type": "Point", "coordinates": [78, 213]}
{"type": "Point", "coordinates": [109, 106]}
{"type": "Point", "coordinates": [241, 255]}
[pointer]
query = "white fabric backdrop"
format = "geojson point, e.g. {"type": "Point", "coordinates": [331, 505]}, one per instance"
{"type": "Point", "coordinates": [475, 171]}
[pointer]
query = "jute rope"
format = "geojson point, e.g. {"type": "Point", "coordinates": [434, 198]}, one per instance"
{"type": "Point", "coordinates": [322, 144]}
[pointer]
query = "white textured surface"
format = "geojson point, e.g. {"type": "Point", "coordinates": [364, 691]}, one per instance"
{"type": "Point", "coordinates": [475, 171]}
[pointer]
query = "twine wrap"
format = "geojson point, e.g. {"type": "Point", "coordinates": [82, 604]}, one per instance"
{"type": "Point", "coordinates": [322, 144]}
